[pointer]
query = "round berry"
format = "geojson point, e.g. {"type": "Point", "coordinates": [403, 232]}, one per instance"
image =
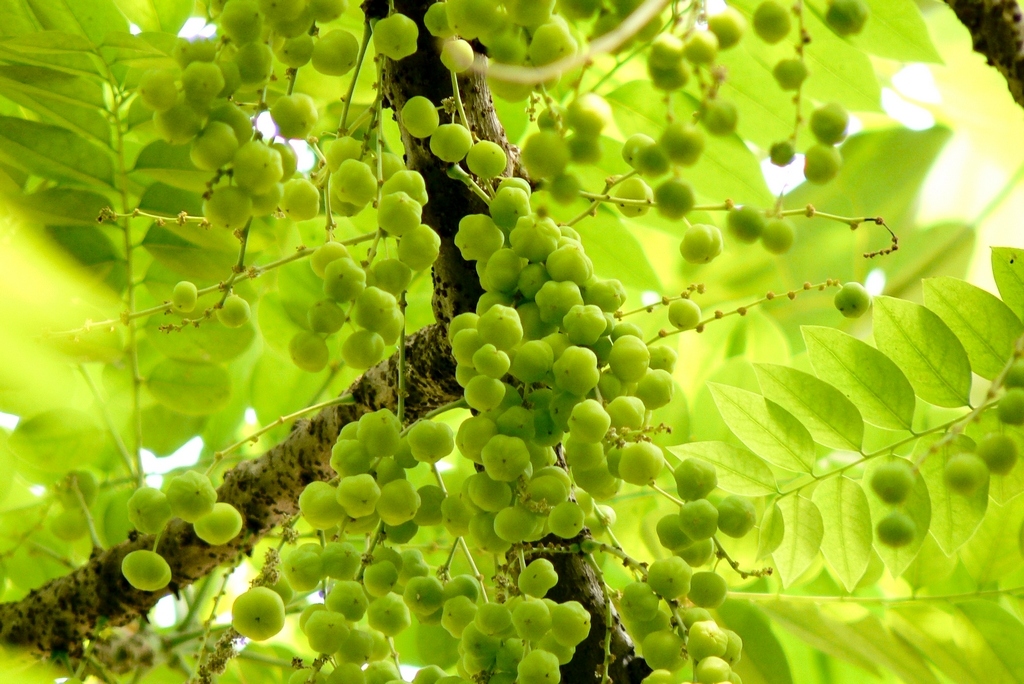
{"type": "Point", "coordinates": [146, 570]}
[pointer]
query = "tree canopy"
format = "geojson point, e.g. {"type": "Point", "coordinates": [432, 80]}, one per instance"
{"type": "Point", "coordinates": [511, 341]}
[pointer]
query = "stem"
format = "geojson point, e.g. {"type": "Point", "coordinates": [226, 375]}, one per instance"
{"type": "Point", "coordinates": [401, 364]}
{"type": "Point", "coordinates": [122, 450]}
{"type": "Point", "coordinates": [458, 101]}
{"type": "Point", "coordinates": [90, 523]}
{"type": "Point", "coordinates": [254, 437]}
{"type": "Point", "coordinates": [342, 130]}
{"type": "Point", "coordinates": [883, 600]}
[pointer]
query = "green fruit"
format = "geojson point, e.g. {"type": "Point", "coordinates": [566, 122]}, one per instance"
{"type": "Point", "coordinates": [772, 21]}
{"type": "Point", "coordinates": [538, 578]}
{"type": "Point", "coordinates": [296, 52]}
{"type": "Point", "coordinates": [255, 64]}
{"type": "Point", "coordinates": [149, 510]}
{"type": "Point", "coordinates": [1015, 376]}
{"type": "Point", "coordinates": [707, 590]}
{"type": "Point", "coordinates": [538, 667]}
{"type": "Point", "coordinates": [695, 478]}
{"type": "Point", "coordinates": [663, 650]}
{"type": "Point", "coordinates": [728, 26]}
{"type": "Point", "coordinates": [639, 603]}
{"type": "Point", "coordinates": [335, 53]}
{"type": "Point", "coordinates": [258, 614]}
{"type": "Point", "coordinates": [736, 516]}
{"type": "Point", "coordinates": [430, 441]}
{"type": "Point", "coordinates": [711, 671]}
{"type": "Point", "coordinates": [778, 235]}
{"type": "Point", "coordinates": [300, 200]}
{"type": "Point", "coordinates": [641, 463]}
{"type": "Point", "coordinates": [684, 314]}
{"type": "Point", "coordinates": [706, 639]}
{"type": "Point", "coordinates": [257, 167]}
{"type": "Point", "coordinates": [829, 122]}
{"type": "Point", "coordinates": [852, 300]}
{"type": "Point", "coordinates": [570, 623]}
{"type": "Point", "coordinates": [782, 153]}
{"type": "Point", "coordinates": [790, 74]}
{"type": "Point", "coordinates": [746, 223]}
{"type": "Point", "coordinates": [545, 154]}
{"type": "Point", "coordinates": [220, 525]}
{"type": "Point", "coordinates": [395, 36]}
{"type": "Point", "coordinates": [228, 208]}
{"type": "Point", "coordinates": [389, 615]}
{"type": "Point", "coordinates": [670, 577]}
{"type": "Point", "coordinates": [1011, 407]}
{"type": "Point", "coordinates": [821, 163]}
{"type": "Point", "coordinates": [420, 117]}
{"type": "Point", "coordinates": [682, 142]}
{"type": "Point", "coordinates": [675, 198]}
{"type": "Point", "coordinates": [451, 142]}
{"type": "Point", "coordinates": [457, 55]}
{"type": "Point", "coordinates": [146, 570]}
{"type": "Point", "coordinates": [200, 83]}
{"type": "Point", "coordinates": [234, 313]}
{"type": "Point", "coordinates": [701, 47]}
{"type": "Point", "coordinates": [701, 243]}
{"type": "Point", "coordinates": [965, 473]}
{"type": "Point", "coordinates": [892, 481]}
{"type": "Point", "coordinates": [419, 247]}
{"type": "Point", "coordinates": [177, 124]}
{"type": "Point", "coordinates": [158, 89]}
{"type": "Point", "coordinates": [486, 159]}
{"type": "Point", "coordinates": [295, 115]}
{"type": "Point", "coordinates": [191, 496]}
{"type": "Point", "coordinates": [214, 147]}
{"type": "Point", "coordinates": [847, 17]}
{"type": "Point", "coordinates": [896, 529]}
{"type": "Point", "coordinates": [184, 296]}
{"type": "Point", "coordinates": [999, 452]}
{"type": "Point", "coordinates": [698, 519]}
{"type": "Point", "coordinates": [636, 192]}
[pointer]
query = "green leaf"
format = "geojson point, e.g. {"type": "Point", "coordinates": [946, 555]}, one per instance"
{"type": "Point", "coordinates": [1008, 270]}
{"type": "Point", "coordinates": [810, 624]}
{"type": "Point", "coordinates": [918, 507]}
{"type": "Point", "coordinates": [954, 517]}
{"type": "Point", "coordinates": [763, 660]}
{"type": "Point", "coordinates": [896, 30]}
{"type": "Point", "coordinates": [925, 349]}
{"type": "Point", "coordinates": [994, 551]}
{"type": "Point", "coordinates": [865, 375]}
{"type": "Point", "coordinates": [765, 428]}
{"type": "Point", "coordinates": [144, 51]}
{"type": "Point", "coordinates": [831, 418]}
{"type": "Point", "coordinates": [771, 531]}
{"type": "Point", "coordinates": [172, 165]}
{"type": "Point", "coordinates": [195, 389]}
{"type": "Point", "coordinates": [892, 654]}
{"type": "Point", "coordinates": [188, 258]}
{"type": "Point", "coordinates": [617, 253]}
{"type": "Point", "coordinates": [931, 565]}
{"type": "Point", "coordinates": [57, 440]}
{"type": "Point", "coordinates": [93, 19]}
{"type": "Point", "coordinates": [157, 15]}
{"type": "Point", "coordinates": [804, 530]}
{"type": "Point", "coordinates": [739, 471]}
{"type": "Point", "coordinates": [53, 152]}
{"type": "Point", "coordinates": [59, 206]}
{"type": "Point", "coordinates": [847, 519]}
{"type": "Point", "coordinates": [209, 343]}
{"type": "Point", "coordinates": [990, 638]}
{"type": "Point", "coordinates": [930, 630]}
{"type": "Point", "coordinates": [165, 431]}
{"type": "Point", "coordinates": [74, 102]}
{"type": "Point", "coordinates": [985, 326]}
{"type": "Point", "coordinates": [66, 52]}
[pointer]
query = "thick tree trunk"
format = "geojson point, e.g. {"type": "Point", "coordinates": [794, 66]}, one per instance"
{"type": "Point", "coordinates": [60, 615]}
{"type": "Point", "coordinates": [997, 29]}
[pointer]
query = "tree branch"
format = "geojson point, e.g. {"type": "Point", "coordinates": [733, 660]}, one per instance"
{"type": "Point", "coordinates": [59, 615]}
{"type": "Point", "coordinates": [997, 29]}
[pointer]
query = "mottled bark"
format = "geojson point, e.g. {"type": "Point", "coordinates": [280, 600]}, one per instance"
{"type": "Point", "coordinates": [997, 30]}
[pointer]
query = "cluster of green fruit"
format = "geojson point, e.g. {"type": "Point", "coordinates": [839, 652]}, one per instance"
{"type": "Point", "coordinates": [967, 468]}
{"type": "Point", "coordinates": [773, 22]}
{"type": "Point", "coordinates": [189, 496]}
{"type": "Point", "coordinates": [372, 289]}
